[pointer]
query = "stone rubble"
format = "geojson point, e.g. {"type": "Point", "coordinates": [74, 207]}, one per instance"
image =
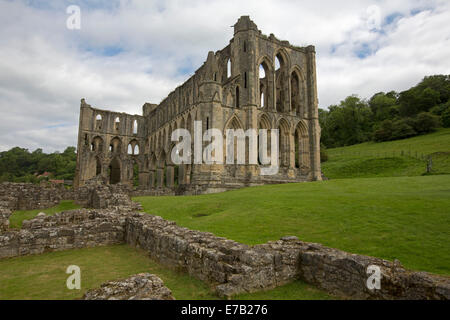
{"type": "Point", "coordinates": [142, 286]}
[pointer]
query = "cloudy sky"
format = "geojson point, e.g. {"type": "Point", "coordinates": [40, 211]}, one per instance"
{"type": "Point", "coordinates": [128, 52]}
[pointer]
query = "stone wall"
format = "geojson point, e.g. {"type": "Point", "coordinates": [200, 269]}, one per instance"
{"type": "Point", "coordinates": [5, 213]}
{"type": "Point", "coordinates": [236, 267]}
{"type": "Point", "coordinates": [230, 266]}
{"type": "Point", "coordinates": [27, 196]}
{"type": "Point", "coordinates": [62, 231]}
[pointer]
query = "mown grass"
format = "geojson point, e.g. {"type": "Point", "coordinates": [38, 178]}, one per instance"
{"type": "Point", "coordinates": [406, 157]}
{"type": "Point", "coordinates": [404, 218]}
{"type": "Point", "coordinates": [18, 216]}
{"type": "Point", "coordinates": [43, 276]}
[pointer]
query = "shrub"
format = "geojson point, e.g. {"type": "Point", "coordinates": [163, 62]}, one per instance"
{"type": "Point", "coordinates": [323, 153]}
{"type": "Point", "coordinates": [425, 123]}
{"type": "Point", "coordinates": [402, 130]}
{"type": "Point", "coordinates": [446, 118]}
{"type": "Point", "coordinates": [384, 131]}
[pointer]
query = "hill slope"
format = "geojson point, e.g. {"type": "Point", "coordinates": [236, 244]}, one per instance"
{"type": "Point", "coordinates": [406, 157]}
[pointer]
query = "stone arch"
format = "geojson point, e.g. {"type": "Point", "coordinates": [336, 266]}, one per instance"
{"type": "Point", "coordinates": [135, 126]}
{"type": "Point", "coordinates": [115, 171]}
{"type": "Point", "coordinates": [298, 91]}
{"type": "Point", "coordinates": [281, 81]}
{"type": "Point", "coordinates": [97, 144]}
{"type": "Point", "coordinates": [265, 82]}
{"type": "Point", "coordinates": [264, 123]}
{"type": "Point", "coordinates": [115, 145]}
{"type": "Point", "coordinates": [98, 122]}
{"type": "Point", "coordinates": [301, 141]}
{"type": "Point", "coordinates": [117, 123]}
{"type": "Point", "coordinates": [133, 147]}
{"type": "Point", "coordinates": [284, 134]}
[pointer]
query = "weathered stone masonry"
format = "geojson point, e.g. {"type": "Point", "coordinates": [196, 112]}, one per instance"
{"type": "Point", "coordinates": [231, 266]}
{"type": "Point", "coordinates": [255, 82]}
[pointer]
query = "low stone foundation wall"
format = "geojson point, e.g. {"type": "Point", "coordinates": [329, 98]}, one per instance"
{"type": "Point", "coordinates": [230, 266]}
{"type": "Point", "coordinates": [66, 230]}
{"type": "Point", "coordinates": [236, 268]}
{"type": "Point", "coordinates": [27, 196]}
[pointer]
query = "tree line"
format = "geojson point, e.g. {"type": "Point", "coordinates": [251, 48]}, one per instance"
{"type": "Point", "coordinates": [21, 165]}
{"type": "Point", "coordinates": [388, 116]}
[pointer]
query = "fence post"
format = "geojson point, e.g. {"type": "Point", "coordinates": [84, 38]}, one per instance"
{"type": "Point", "coordinates": [429, 164]}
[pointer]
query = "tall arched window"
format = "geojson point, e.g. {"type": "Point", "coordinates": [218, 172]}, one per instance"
{"type": "Point", "coordinates": [295, 93]}
{"type": "Point", "coordinates": [281, 82]}
{"type": "Point", "coordinates": [117, 123]}
{"type": "Point", "coordinates": [229, 68]}
{"type": "Point", "coordinates": [135, 127]}
{"type": "Point", "coordinates": [237, 97]}
{"type": "Point", "coordinates": [264, 82]}
{"type": "Point", "coordinates": [98, 122]}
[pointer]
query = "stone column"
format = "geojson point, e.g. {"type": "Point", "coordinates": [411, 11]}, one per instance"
{"type": "Point", "coordinates": [170, 176]}
{"type": "Point", "coordinates": [159, 177]}
{"type": "Point", "coordinates": [151, 179]}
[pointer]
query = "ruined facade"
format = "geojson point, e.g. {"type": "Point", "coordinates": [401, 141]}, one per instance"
{"type": "Point", "coordinates": [257, 81]}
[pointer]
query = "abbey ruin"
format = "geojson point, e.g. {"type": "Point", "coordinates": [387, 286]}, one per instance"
{"type": "Point", "coordinates": [257, 81]}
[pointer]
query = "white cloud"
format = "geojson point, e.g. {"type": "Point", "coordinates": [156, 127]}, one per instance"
{"type": "Point", "coordinates": [46, 69]}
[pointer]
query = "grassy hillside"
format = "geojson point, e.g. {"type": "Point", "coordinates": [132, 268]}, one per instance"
{"type": "Point", "coordinates": [405, 218]}
{"type": "Point", "coordinates": [394, 158]}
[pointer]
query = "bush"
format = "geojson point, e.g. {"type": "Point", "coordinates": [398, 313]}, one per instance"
{"type": "Point", "coordinates": [425, 123]}
{"type": "Point", "coordinates": [446, 118]}
{"type": "Point", "coordinates": [384, 131]}
{"type": "Point", "coordinates": [323, 153]}
{"type": "Point", "coordinates": [402, 130]}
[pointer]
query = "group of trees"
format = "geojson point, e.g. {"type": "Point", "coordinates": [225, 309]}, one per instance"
{"type": "Point", "coordinates": [20, 165]}
{"type": "Point", "coordinates": [388, 116]}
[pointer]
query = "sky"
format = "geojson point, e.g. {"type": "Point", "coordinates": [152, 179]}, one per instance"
{"type": "Point", "coordinates": [128, 52]}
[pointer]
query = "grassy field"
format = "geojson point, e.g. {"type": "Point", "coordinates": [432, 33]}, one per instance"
{"type": "Point", "coordinates": [43, 276]}
{"type": "Point", "coordinates": [386, 160]}
{"type": "Point", "coordinates": [404, 218]}
{"type": "Point", "coordinates": [18, 216]}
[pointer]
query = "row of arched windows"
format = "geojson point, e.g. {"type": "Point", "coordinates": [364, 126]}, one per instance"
{"type": "Point", "coordinates": [98, 124]}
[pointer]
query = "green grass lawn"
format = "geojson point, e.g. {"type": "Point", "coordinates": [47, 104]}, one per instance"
{"type": "Point", "coordinates": [43, 276]}
{"type": "Point", "coordinates": [404, 218]}
{"type": "Point", "coordinates": [18, 216]}
{"type": "Point", "coordinates": [385, 159]}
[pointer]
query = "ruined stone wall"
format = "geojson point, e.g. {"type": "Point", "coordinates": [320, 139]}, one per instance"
{"type": "Point", "coordinates": [62, 231]}
{"type": "Point", "coordinates": [236, 268]}
{"type": "Point", "coordinates": [27, 196]}
{"type": "Point", "coordinates": [231, 266]}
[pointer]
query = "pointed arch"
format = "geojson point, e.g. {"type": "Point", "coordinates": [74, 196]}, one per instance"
{"type": "Point", "coordinates": [281, 81]}
{"type": "Point", "coordinates": [301, 141]}
{"type": "Point", "coordinates": [298, 91]}
{"type": "Point", "coordinates": [265, 82]}
{"type": "Point", "coordinates": [284, 142]}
